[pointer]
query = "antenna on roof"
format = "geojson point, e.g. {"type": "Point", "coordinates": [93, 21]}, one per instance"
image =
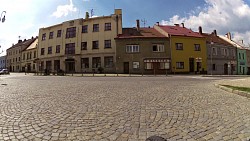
{"type": "Point", "coordinates": [92, 12]}
{"type": "Point", "coordinates": [19, 37]}
{"type": "Point", "coordinates": [144, 22]}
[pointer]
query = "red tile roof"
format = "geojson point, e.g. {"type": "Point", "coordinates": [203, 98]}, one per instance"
{"type": "Point", "coordinates": [142, 33]}
{"type": "Point", "coordinates": [179, 31]}
{"type": "Point", "coordinates": [215, 39]}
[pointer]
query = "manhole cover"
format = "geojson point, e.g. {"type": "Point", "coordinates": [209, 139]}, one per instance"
{"type": "Point", "coordinates": [156, 138]}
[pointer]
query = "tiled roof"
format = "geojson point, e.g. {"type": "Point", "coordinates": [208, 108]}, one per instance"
{"type": "Point", "coordinates": [33, 45]}
{"type": "Point", "coordinates": [179, 31]}
{"type": "Point", "coordinates": [24, 43]}
{"type": "Point", "coordinates": [142, 33]}
{"type": "Point", "coordinates": [232, 42]}
{"type": "Point", "coordinates": [215, 39]}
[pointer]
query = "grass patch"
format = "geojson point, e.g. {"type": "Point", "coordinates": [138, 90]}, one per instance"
{"type": "Point", "coordinates": [245, 89]}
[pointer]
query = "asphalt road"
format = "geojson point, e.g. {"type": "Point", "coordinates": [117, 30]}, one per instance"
{"type": "Point", "coordinates": [120, 108]}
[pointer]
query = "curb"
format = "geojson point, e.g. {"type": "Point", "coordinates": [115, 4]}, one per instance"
{"type": "Point", "coordinates": [240, 93]}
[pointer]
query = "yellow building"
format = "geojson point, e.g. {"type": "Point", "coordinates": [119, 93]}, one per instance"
{"type": "Point", "coordinates": [188, 49]}
{"type": "Point", "coordinates": [80, 45]}
{"type": "Point", "coordinates": [29, 56]}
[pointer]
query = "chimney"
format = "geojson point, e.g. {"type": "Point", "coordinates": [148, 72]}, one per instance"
{"type": "Point", "coordinates": [158, 23]}
{"type": "Point", "coordinates": [19, 41]}
{"type": "Point", "coordinates": [87, 15]}
{"type": "Point", "coordinates": [138, 25]}
{"type": "Point", "coordinates": [176, 24]}
{"type": "Point", "coordinates": [215, 33]}
{"type": "Point", "coordinates": [229, 36]}
{"type": "Point", "coordinates": [200, 29]}
{"type": "Point", "coordinates": [32, 37]}
{"type": "Point", "coordinates": [183, 25]}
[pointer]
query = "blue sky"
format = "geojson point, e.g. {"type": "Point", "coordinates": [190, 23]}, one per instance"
{"type": "Point", "coordinates": [25, 17]}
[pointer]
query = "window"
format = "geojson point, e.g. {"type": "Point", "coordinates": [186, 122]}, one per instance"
{"type": "Point", "coordinates": [24, 56]}
{"type": "Point", "coordinates": [158, 48]}
{"type": "Point", "coordinates": [96, 62]}
{"type": "Point", "coordinates": [233, 52]}
{"type": "Point", "coordinates": [107, 44]}
{"type": "Point", "coordinates": [239, 56]}
{"type": "Point", "coordinates": [243, 56]}
{"type": "Point", "coordinates": [34, 54]}
{"type": "Point", "coordinates": [71, 32]}
{"type": "Point", "coordinates": [49, 50]}
{"type": "Point", "coordinates": [132, 48]}
{"type": "Point", "coordinates": [108, 62]}
{"type": "Point", "coordinates": [58, 47]}
{"type": "Point", "coordinates": [84, 46]}
{"type": "Point", "coordinates": [95, 27]}
{"type": "Point", "coordinates": [59, 33]}
{"type": "Point", "coordinates": [85, 29]}
{"type": "Point", "coordinates": [214, 67]}
{"type": "Point", "coordinates": [164, 66]}
{"type": "Point", "coordinates": [70, 48]}
{"type": "Point", "coordinates": [30, 55]}
{"type": "Point", "coordinates": [95, 45]}
{"type": "Point", "coordinates": [214, 51]}
{"type": "Point", "coordinates": [179, 65]}
{"type": "Point", "coordinates": [85, 63]}
{"type": "Point", "coordinates": [136, 65]}
{"type": "Point", "coordinates": [44, 36]}
{"type": "Point", "coordinates": [107, 26]}
{"type": "Point", "coordinates": [42, 51]}
{"type": "Point", "coordinates": [34, 66]}
{"type": "Point", "coordinates": [225, 52]}
{"type": "Point", "coordinates": [51, 35]}
{"type": "Point", "coordinates": [197, 47]}
{"type": "Point", "coordinates": [179, 46]}
{"type": "Point", "coordinates": [19, 59]}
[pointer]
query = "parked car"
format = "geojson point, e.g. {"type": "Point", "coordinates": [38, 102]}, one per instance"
{"type": "Point", "coordinates": [4, 71]}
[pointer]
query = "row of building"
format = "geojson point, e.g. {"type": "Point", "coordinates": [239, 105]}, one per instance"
{"type": "Point", "coordinates": [102, 44]}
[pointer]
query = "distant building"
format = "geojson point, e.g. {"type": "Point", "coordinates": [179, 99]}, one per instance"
{"type": "Point", "coordinates": [248, 60]}
{"type": "Point", "coordinates": [29, 57]}
{"type": "Point", "coordinates": [221, 55]}
{"type": "Point", "coordinates": [241, 54]}
{"type": "Point", "coordinates": [80, 45]}
{"type": "Point", "coordinates": [2, 62]}
{"type": "Point", "coordinates": [142, 51]}
{"type": "Point", "coordinates": [188, 49]}
{"type": "Point", "coordinates": [14, 54]}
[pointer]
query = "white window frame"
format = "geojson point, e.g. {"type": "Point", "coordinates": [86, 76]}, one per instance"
{"type": "Point", "coordinates": [132, 48]}
{"type": "Point", "coordinates": [136, 65]}
{"type": "Point", "coordinates": [159, 47]}
{"type": "Point", "coordinates": [214, 51]}
{"type": "Point", "coordinates": [164, 65]}
{"type": "Point", "coordinates": [179, 66]}
{"type": "Point", "coordinates": [148, 66]}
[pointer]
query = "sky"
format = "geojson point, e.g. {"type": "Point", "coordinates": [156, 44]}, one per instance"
{"type": "Point", "coordinates": [25, 17]}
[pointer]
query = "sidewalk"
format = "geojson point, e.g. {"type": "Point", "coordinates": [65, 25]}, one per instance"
{"type": "Point", "coordinates": [243, 82]}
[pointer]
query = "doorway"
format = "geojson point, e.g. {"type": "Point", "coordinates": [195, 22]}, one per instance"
{"type": "Point", "coordinates": [126, 67]}
{"type": "Point", "coordinates": [225, 69]}
{"type": "Point", "coordinates": [191, 64]}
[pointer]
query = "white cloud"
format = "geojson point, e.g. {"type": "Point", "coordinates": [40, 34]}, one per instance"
{"type": "Point", "coordinates": [63, 10]}
{"type": "Point", "coordinates": [222, 15]}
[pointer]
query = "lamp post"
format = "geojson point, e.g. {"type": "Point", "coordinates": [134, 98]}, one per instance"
{"type": "Point", "coordinates": [211, 57]}
{"type": "Point", "coordinates": [2, 18]}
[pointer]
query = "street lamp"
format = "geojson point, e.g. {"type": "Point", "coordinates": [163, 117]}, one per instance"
{"type": "Point", "coordinates": [2, 18]}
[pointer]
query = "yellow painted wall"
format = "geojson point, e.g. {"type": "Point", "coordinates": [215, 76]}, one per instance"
{"type": "Point", "coordinates": [188, 52]}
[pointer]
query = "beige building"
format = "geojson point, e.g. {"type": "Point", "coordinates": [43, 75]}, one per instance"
{"type": "Point", "coordinates": [14, 54]}
{"type": "Point", "coordinates": [80, 45]}
{"type": "Point", "coordinates": [29, 57]}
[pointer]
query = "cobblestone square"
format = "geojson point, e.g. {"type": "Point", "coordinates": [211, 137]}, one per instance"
{"type": "Point", "coordinates": [120, 108]}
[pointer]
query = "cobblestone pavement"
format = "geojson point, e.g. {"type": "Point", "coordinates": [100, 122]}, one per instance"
{"type": "Point", "coordinates": [243, 82]}
{"type": "Point", "coordinates": [119, 108]}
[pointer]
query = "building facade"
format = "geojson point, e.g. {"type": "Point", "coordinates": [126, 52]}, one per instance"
{"type": "Point", "coordinates": [29, 57]}
{"type": "Point", "coordinates": [241, 54]}
{"type": "Point", "coordinates": [14, 54]}
{"type": "Point", "coordinates": [221, 55]}
{"type": "Point", "coordinates": [188, 49]}
{"type": "Point", "coordinates": [142, 51]}
{"type": "Point", "coordinates": [81, 45]}
{"type": "Point", "coordinates": [2, 62]}
{"type": "Point", "coordinates": [248, 60]}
